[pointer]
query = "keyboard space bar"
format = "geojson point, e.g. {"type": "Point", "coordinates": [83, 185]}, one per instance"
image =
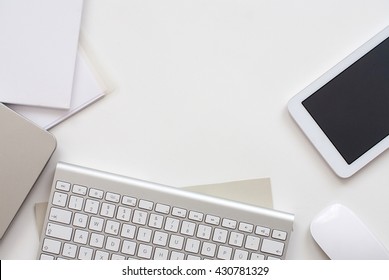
{"type": "Point", "coordinates": [58, 231]}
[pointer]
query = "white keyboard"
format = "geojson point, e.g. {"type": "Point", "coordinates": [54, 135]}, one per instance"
{"type": "Point", "coordinates": [98, 215]}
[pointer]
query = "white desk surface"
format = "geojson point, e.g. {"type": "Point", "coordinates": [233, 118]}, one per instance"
{"type": "Point", "coordinates": [200, 94]}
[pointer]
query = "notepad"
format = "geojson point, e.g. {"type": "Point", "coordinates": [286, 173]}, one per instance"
{"type": "Point", "coordinates": [87, 89]}
{"type": "Point", "coordinates": [38, 47]}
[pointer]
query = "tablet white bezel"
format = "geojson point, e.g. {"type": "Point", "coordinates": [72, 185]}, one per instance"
{"type": "Point", "coordinates": [314, 132]}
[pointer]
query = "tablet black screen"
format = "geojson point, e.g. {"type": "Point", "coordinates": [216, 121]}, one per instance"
{"type": "Point", "coordinates": [353, 108]}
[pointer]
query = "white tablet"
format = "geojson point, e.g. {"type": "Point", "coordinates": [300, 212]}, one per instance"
{"type": "Point", "coordinates": [345, 112]}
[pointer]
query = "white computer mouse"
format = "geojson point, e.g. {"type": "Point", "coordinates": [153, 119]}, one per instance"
{"type": "Point", "coordinates": [343, 236]}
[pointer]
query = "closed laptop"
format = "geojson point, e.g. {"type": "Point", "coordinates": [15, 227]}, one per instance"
{"type": "Point", "coordinates": [25, 150]}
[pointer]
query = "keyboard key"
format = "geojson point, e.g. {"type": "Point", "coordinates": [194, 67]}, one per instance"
{"type": "Point", "coordinates": [144, 251]}
{"type": "Point", "coordinates": [60, 199]}
{"type": "Point", "coordinates": [188, 228]}
{"type": "Point", "coordinates": [147, 205]}
{"type": "Point", "coordinates": [178, 212]}
{"type": "Point", "coordinates": [81, 236]}
{"type": "Point", "coordinates": [156, 221]}
{"type": "Point", "coordinates": [96, 193]}
{"type": "Point", "coordinates": [208, 249]}
{"type": "Point", "coordinates": [220, 235]}
{"type": "Point", "coordinates": [144, 234]}
{"type": "Point", "coordinates": [85, 253]}
{"type": "Point", "coordinates": [224, 253]}
{"type": "Point", "coordinates": [60, 215]}
{"type": "Point", "coordinates": [139, 217]}
{"type": "Point", "coordinates": [101, 255]}
{"type": "Point", "coordinates": [241, 255]}
{"type": "Point", "coordinates": [96, 240]}
{"type": "Point", "coordinates": [204, 232]}
{"type": "Point", "coordinates": [162, 208]}
{"type": "Point", "coordinates": [128, 200]}
{"type": "Point", "coordinates": [264, 231]}
{"type": "Point", "coordinates": [196, 216]}
{"type": "Point", "coordinates": [236, 239]}
{"type": "Point", "coordinates": [161, 254]}
{"type": "Point", "coordinates": [172, 224]}
{"type": "Point", "coordinates": [123, 214]}
{"type": "Point", "coordinates": [112, 244]}
{"type": "Point", "coordinates": [272, 247]}
{"type": "Point", "coordinates": [80, 220]}
{"type": "Point", "coordinates": [112, 227]}
{"type": "Point", "coordinates": [277, 234]}
{"type": "Point", "coordinates": [128, 231]}
{"type": "Point", "coordinates": [246, 227]}
{"type": "Point", "coordinates": [176, 242]}
{"type": "Point", "coordinates": [112, 197]}
{"type": "Point", "coordinates": [256, 256]}
{"type": "Point", "coordinates": [128, 247]}
{"type": "Point", "coordinates": [177, 256]}
{"type": "Point", "coordinates": [51, 246]}
{"type": "Point", "coordinates": [192, 245]}
{"type": "Point", "coordinates": [75, 202]}
{"type": "Point", "coordinates": [62, 186]}
{"type": "Point", "coordinates": [69, 250]}
{"type": "Point", "coordinates": [252, 243]}
{"type": "Point", "coordinates": [228, 223]}
{"type": "Point", "coordinates": [96, 224]}
{"type": "Point", "coordinates": [59, 231]}
{"type": "Point", "coordinates": [107, 210]}
{"type": "Point", "coordinates": [81, 190]}
{"type": "Point", "coordinates": [211, 219]}
{"type": "Point", "coordinates": [92, 206]}
{"type": "Point", "coordinates": [160, 238]}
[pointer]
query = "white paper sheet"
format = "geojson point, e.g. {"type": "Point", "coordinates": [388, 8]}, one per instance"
{"type": "Point", "coordinates": [38, 47]}
{"type": "Point", "coordinates": [86, 90]}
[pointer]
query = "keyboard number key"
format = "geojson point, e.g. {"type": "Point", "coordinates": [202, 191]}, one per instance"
{"type": "Point", "coordinates": [172, 224]}
{"type": "Point", "coordinates": [76, 202]}
{"type": "Point", "coordinates": [107, 210]}
{"type": "Point", "coordinates": [123, 214]}
{"type": "Point", "coordinates": [92, 206]}
{"type": "Point", "coordinates": [236, 239]}
{"type": "Point", "coordinates": [139, 217]}
{"type": "Point", "coordinates": [60, 199]}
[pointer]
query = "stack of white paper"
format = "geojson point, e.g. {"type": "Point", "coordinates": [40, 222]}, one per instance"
{"type": "Point", "coordinates": [42, 76]}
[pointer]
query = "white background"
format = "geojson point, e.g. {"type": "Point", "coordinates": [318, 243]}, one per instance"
{"type": "Point", "coordinates": [200, 94]}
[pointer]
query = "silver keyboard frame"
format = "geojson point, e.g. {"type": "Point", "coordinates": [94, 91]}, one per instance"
{"type": "Point", "coordinates": [174, 197]}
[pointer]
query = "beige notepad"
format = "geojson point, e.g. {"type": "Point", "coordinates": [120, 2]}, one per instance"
{"type": "Point", "coordinates": [256, 192]}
